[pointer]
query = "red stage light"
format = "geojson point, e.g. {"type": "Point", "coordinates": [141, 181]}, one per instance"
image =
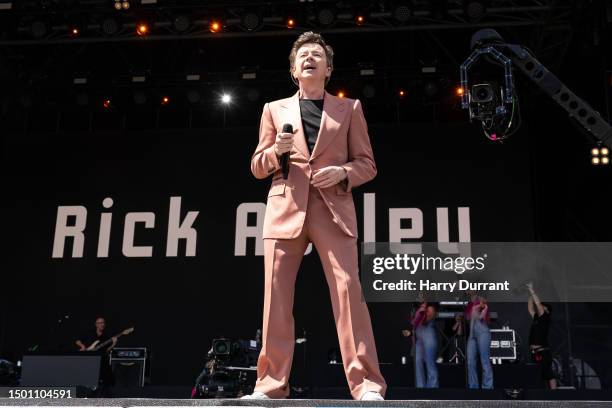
{"type": "Point", "coordinates": [215, 27]}
{"type": "Point", "coordinates": [142, 29]}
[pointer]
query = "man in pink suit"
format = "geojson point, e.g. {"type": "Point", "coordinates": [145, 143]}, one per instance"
{"type": "Point", "coordinates": [330, 154]}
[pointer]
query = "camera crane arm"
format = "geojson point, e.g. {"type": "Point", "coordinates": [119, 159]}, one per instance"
{"type": "Point", "coordinates": [488, 41]}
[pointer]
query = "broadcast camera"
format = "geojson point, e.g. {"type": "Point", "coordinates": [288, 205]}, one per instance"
{"type": "Point", "coordinates": [229, 370]}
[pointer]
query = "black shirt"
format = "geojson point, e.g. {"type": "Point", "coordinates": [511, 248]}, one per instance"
{"type": "Point", "coordinates": [538, 335]}
{"type": "Point", "coordinates": [311, 111]}
{"type": "Point", "coordinates": [88, 338]}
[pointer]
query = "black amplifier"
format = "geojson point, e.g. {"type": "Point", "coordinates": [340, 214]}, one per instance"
{"type": "Point", "coordinates": [129, 365]}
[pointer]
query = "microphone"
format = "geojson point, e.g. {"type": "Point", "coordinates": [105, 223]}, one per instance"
{"type": "Point", "coordinates": [284, 161]}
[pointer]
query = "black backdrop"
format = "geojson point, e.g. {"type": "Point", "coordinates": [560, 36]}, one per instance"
{"type": "Point", "coordinates": [179, 304]}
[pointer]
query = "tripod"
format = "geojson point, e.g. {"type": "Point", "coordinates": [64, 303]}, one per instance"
{"type": "Point", "coordinates": [459, 344]}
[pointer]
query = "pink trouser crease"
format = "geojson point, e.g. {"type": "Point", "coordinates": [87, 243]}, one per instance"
{"type": "Point", "coordinates": [339, 257]}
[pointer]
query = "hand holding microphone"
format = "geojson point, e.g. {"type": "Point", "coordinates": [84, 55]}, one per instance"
{"type": "Point", "coordinates": [282, 147]}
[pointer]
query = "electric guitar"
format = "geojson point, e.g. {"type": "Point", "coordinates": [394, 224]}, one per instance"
{"type": "Point", "coordinates": [96, 345]}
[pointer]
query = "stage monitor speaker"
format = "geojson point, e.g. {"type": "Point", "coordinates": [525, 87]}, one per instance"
{"type": "Point", "coordinates": [43, 370]}
{"type": "Point", "coordinates": [128, 365]}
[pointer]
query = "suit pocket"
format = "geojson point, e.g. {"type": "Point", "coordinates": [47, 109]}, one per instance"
{"type": "Point", "coordinates": [277, 189]}
{"type": "Point", "coordinates": [340, 189]}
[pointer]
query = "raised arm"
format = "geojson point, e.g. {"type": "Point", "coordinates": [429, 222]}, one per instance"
{"type": "Point", "coordinates": [483, 311]}
{"type": "Point", "coordinates": [536, 300]}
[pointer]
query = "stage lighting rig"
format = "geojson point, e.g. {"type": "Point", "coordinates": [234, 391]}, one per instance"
{"type": "Point", "coordinates": [496, 106]}
{"type": "Point", "coordinates": [600, 155]}
{"type": "Point", "coordinates": [122, 5]}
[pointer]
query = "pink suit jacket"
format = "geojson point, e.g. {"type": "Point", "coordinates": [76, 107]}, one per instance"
{"type": "Point", "coordinates": [343, 140]}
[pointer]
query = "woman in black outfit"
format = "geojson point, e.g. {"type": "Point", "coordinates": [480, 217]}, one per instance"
{"type": "Point", "coordinates": [538, 336]}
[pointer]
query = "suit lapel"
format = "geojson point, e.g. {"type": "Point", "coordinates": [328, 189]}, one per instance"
{"type": "Point", "coordinates": [292, 115]}
{"type": "Point", "coordinates": [334, 111]}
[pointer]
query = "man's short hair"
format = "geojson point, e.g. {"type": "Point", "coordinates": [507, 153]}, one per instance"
{"type": "Point", "coordinates": [310, 37]}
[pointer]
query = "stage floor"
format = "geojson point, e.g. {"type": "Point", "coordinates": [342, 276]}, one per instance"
{"type": "Point", "coordinates": [323, 403]}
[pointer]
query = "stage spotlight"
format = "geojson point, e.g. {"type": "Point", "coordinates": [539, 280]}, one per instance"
{"type": "Point", "coordinates": [251, 21]}
{"type": "Point", "coordinates": [290, 23]}
{"type": "Point", "coordinates": [110, 26]}
{"type": "Point", "coordinates": [214, 26]}
{"type": "Point", "coordinates": [165, 100]}
{"type": "Point", "coordinates": [459, 91]}
{"type": "Point", "coordinates": [139, 78]}
{"type": "Point", "coordinates": [360, 20]}
{"type": "Point", "coordinates": [107, 103]}
{"type": "Point", "coordinates": [74, 32]}
{"type": "Point", "coordinates": [326, 16]}
{"type": "Point", "coordinates": [142, 29]}
{"type": "Point", "coordinates": [600, 155]}
{"type": "Point", "coordinates": [79, 80]}
{"type": "Point", "coordinates": [402, 13]}
{"type": "Point", "coordinates": [401, 93]}
{"type": "Point", "coordinates": [226, 99]}
{"type": "Point", "coordinates": [122, 5]}
{"type": "Point", "coordinates": [475, 10]}
{"type": "Point", "coordinates": [340, 94]}
{"type": "Point", "coordinates": [181, 23]}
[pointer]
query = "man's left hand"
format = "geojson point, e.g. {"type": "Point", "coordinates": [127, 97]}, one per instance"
{"type": "Point", "coordinates": [328, 176]}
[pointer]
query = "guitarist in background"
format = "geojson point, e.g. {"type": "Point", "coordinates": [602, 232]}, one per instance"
{"type": "Point", "coordinates": [89, 342]}
{"type": "Point", "coordinates": [100, 335]}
